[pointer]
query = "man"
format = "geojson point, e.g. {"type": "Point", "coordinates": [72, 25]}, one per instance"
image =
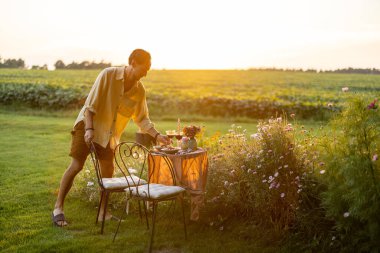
{"type": "Point", "coordinates": [116, 97]}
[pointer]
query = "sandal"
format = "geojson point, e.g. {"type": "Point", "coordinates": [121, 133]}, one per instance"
{"type": "Point", "coordinates": [58, 218]}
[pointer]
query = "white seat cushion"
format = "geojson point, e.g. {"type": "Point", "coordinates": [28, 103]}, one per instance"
{"type": "Point", "coordinates": [156, 191]}
{"type": "Point", "coordinates": [120, 182]}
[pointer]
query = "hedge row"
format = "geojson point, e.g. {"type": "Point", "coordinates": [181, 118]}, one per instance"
{"type": "Point", "coordinates": [54, 97]}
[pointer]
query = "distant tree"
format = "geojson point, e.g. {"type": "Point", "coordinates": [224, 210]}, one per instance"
{"type": "Point", "coordinates": [59, 64]}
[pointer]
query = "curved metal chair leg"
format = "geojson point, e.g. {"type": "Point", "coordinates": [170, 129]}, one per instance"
{"type": "Point", "coordinates": [104, 211]}
{"type": "Point", "coordinates": [118, 226]}
{"type": "Point", "coordinates": [155, 207]}
{"type": "Point", "coordinates": [146, 215]}
{"type": "Point", "coordinates": [100, 202]}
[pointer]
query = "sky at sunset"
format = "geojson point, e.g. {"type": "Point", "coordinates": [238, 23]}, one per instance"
{"type": "Point", "coordinates": [196, 34]}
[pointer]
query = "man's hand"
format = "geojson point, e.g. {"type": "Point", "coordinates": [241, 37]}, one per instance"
{"type": "Point", "coordinates": [88, 136]}
{"type": "Point", "coordinates": [164, 139]}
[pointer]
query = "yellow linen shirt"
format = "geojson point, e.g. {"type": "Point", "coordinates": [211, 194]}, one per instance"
{"type": "Point", "coordinates": [113, 108]}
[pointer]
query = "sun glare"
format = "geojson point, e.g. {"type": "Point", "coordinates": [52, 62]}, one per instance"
{"type": "Point", "coordinates": [195, 34]}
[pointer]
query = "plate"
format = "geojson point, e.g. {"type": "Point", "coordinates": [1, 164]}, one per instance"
{"type": "Point", "coordinates": [170, 151]}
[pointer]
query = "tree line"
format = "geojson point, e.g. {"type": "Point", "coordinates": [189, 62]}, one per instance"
{"type": "Point", "coordinates": [20, 63]}
{"type": "Point", "coordinates": [350, 70]}
{"type": "Point", "coordinates": [82, 65]}
{"type": "Point", "coordinates": [12, 63]}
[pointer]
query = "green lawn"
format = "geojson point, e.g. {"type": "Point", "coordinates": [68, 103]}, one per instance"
{"type": "Point", "coordinates": [33, 157]}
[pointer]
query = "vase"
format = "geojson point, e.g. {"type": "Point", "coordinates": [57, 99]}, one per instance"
{"type": "Point", "coordinates": [192, 143]}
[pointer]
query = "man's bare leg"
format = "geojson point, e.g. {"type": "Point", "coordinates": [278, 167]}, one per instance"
{"type": "Point", "coordinates": [66, 182]}
{"type": "Point", "coordinates": [107, 169]}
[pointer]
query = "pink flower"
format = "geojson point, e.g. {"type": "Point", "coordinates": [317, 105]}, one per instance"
{"type": "Point", "coordinates": [375, 157]}
{"type": "Point", "coordinates": [372, 105]}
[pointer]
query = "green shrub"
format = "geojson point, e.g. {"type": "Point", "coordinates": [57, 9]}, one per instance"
{"type": "Point", "coordinates": [41, 96]}
{"type": "Point", "coordinates": [352, 176]}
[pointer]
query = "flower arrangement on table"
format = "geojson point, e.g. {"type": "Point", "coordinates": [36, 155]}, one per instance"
{"type": "Point", "coordinates": [189, 142]}
{"type": "Point", "coordinates": [191, 131]}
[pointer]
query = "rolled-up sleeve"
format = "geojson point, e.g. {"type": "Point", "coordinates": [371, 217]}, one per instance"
{"type": "Point", "coordinates": [141, 118]}
{"type": "Point", "coordinates": [94, 97]}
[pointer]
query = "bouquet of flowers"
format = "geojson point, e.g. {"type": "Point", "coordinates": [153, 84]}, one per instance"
{"type": "Point", "coordinates": [191, 131]}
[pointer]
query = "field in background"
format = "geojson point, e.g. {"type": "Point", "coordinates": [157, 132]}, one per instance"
{"type": "Point", "coordinates": [211, 93]}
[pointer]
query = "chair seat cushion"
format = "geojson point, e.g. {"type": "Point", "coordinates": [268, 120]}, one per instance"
{"type": "Point", "coordinates": [120, 182]}
{"type": "Point", "coordinates": [156, 191]}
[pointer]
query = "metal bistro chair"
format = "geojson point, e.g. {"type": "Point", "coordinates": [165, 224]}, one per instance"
{"type": "Point", "coordinates": [108, 185]}
{"type": "Point", "coordinates": [128, 153]}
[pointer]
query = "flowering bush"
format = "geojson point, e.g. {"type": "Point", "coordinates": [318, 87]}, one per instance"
{"type": "Point", "coordinates": [259, 177]}
{"type": "Point", "coordinates": [353, 176]}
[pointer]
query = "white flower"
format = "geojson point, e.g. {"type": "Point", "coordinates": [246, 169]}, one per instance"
{"type": "Point", "coordinates": [346, 214]}
{"type": "Point", "coordinates": [282, 195]}
{"type": "Point", "coordinates": [285, 166]}
{"type": "Point", "coordinates": [264, 181]}
{"type": "Point", "coordinates": [333, 238]}
{"type": "Point", "coordinates": [226, 184]}
{"type": "Point", "coordinates": [90, 183]}
{"type": "Point", "coordinates": [255, 136]}
{"type": "Point", "coordinates": [345, 89]}
{"type": "Point", "coordinates": [276, 174]}
{"type": "Point", "coordinates": [322, 171]}
{"type": "Point", "coordinates": [249, 170]}
{"type": "Point", "coordinates": [87, 171]}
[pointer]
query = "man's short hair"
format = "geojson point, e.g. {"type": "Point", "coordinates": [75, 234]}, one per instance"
{"type": "Point", "coordinates": [140, 56]}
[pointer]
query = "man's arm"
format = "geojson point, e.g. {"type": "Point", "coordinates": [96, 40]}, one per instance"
{"type": "Point", "coordinates": [89, 127]}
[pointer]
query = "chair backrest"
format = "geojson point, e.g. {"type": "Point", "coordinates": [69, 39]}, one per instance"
{"type": "Point", "coordinates": [95, 162]}
{"type": "Point", "coordinates": [133, 159]}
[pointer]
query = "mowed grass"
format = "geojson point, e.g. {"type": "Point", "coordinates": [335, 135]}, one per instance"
{"type": "Point", "coordinates": [34, 155]}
